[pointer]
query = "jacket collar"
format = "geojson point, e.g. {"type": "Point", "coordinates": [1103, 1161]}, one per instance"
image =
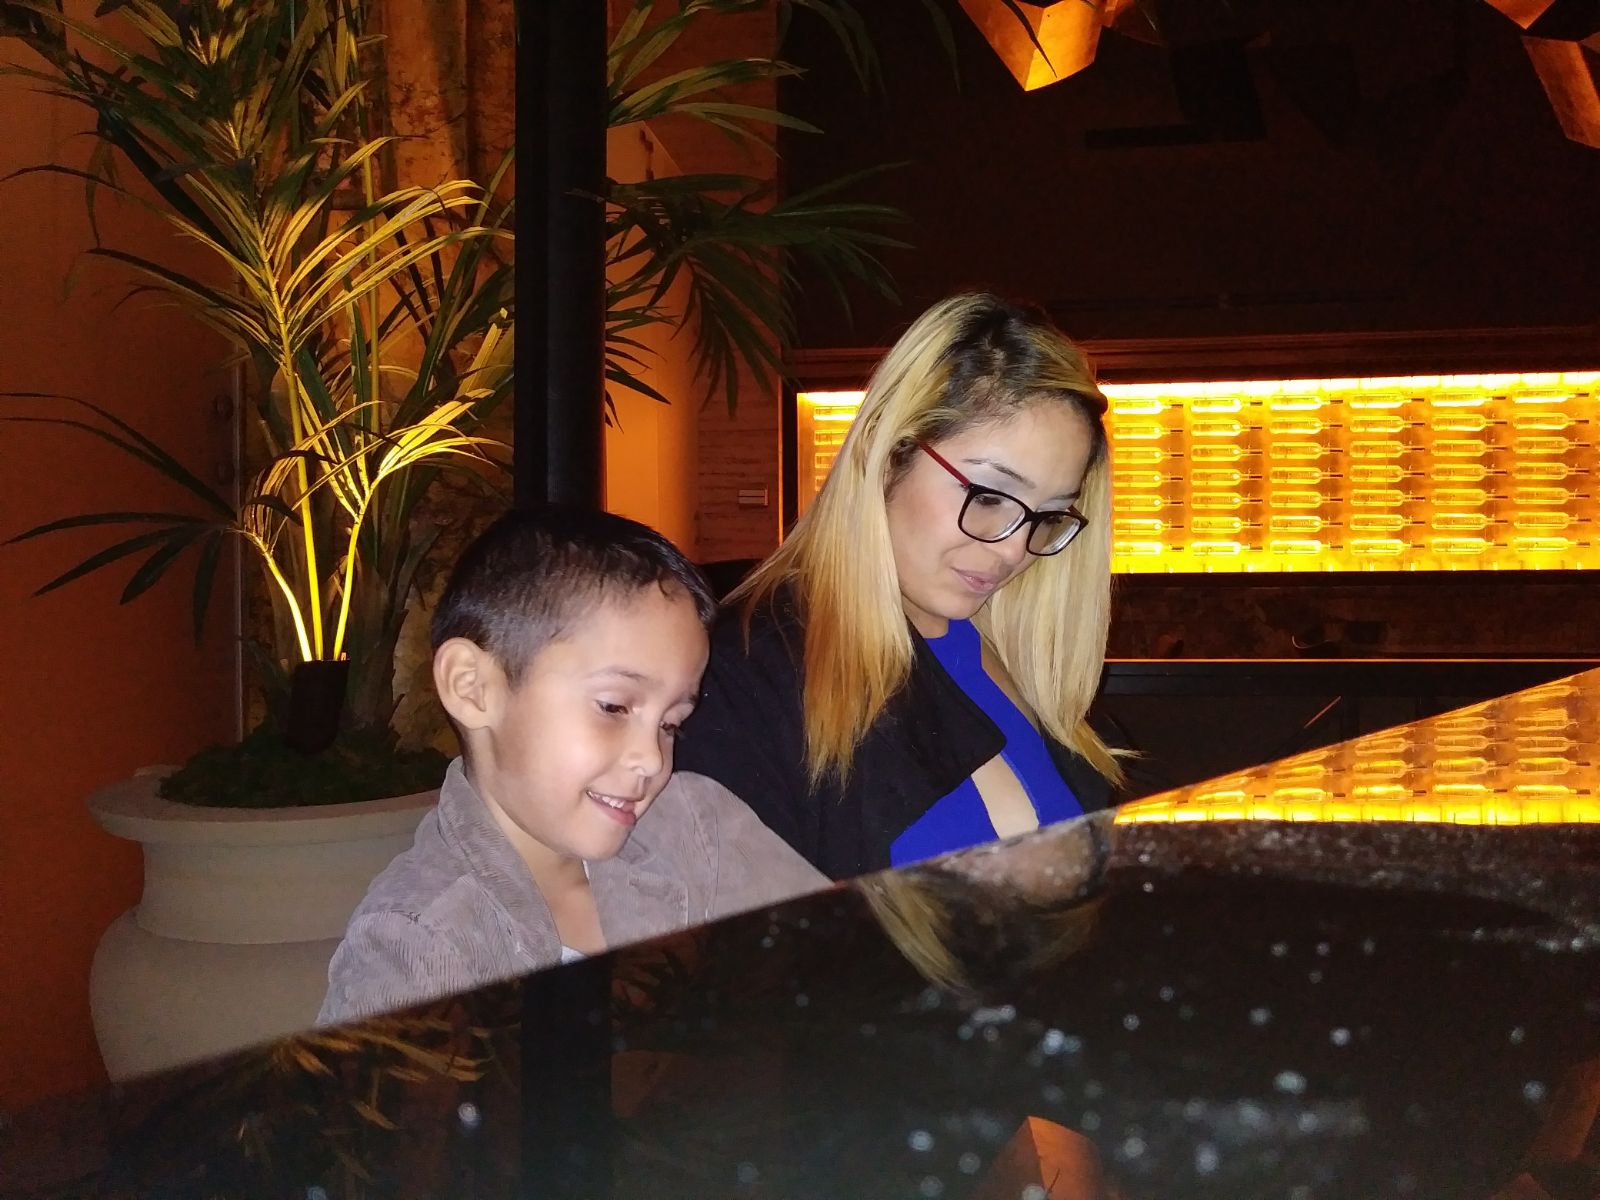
{"type": "Point", "coordinates": [636, 893]}
{"type": "Point", "coordinates": [641, 891]}
{"type": "Point", "coordinates": [930, 731]}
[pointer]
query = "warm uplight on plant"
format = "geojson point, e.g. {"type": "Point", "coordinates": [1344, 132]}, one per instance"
{"type": "Point", "coordinates": [374, 321]}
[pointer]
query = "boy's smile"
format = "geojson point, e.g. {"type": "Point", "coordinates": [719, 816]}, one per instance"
{"type": "Point", "coordinates": [620, 810]}
{"type": "Point", "coordinates": [571, 758]}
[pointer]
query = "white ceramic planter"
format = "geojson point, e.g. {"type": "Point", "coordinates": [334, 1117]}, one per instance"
{"type": "Point", "coordinates": [241, 910]}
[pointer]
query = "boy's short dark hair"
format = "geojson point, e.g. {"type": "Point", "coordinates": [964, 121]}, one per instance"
{"type": "Point", "coordinates": [531, 575]}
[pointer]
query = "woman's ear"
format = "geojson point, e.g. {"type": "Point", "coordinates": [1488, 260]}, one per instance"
{"type": "Point", "coordinates": [469, 682]}
{"type": "Point", "coordinates": [900, 457]}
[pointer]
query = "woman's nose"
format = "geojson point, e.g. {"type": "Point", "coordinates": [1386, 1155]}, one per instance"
{"type": "Point", "coordinates": [1014, 549]}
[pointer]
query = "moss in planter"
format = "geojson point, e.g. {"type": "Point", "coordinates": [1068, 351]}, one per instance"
{"type": "Point", "coordinates": [263, 772]}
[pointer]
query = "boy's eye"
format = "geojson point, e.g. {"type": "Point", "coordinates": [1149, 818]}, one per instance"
{"type": "Point", "coordinates": [671, 728]}
{"type": "Point", "coordinates": [612, 710]}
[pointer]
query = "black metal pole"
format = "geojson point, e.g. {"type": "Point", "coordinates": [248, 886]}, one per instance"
{"type": "Point", "coordinates": [575, 295]}
{"type": "Point", "coordinates": [529, 452]}
{"type": "Point", "coordinates": [569, 1127]}
{"type": "Point", "coordinates": [561, 158]}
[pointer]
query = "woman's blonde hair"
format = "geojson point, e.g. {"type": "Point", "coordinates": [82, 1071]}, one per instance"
{"type": "Point", "coordinates": [969, 360]}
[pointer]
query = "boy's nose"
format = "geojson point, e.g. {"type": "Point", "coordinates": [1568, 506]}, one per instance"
{"type": "Point", "coordinates": [644, 753]}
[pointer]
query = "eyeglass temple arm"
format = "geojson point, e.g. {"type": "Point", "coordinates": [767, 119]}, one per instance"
{"type": "Point", "coordinates": [943, 462]}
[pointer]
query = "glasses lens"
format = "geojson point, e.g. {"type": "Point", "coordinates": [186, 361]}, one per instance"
{"type": "Point", "coordinates": [1054, 531]}
{"type": "Point", "coordinates": [990, 516]}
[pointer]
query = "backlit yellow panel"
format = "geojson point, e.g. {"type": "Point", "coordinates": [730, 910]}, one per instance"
{"type": "Point", "coordinates": [1431, 473]}
{"type": "Point", "coordinates": [1510, 761]}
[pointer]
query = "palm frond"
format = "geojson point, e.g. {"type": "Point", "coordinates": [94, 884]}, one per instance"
{"type": "Point", "coordinates": [377, 323]}
{"type": "Point", "coordinates": [737, 249]}
{"type": "Point", "coordinates": [247, 125]}
{"type": "Point", "coordinates": [122, 435]}
{"type": "Point", "coordinates": [737, 246]}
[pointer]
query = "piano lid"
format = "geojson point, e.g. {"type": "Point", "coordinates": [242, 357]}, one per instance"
{"type": "Point", "coordinates": [1369, 971]}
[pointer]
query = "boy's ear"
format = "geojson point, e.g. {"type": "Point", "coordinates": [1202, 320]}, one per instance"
{"type": "Point", "coordinates": [466, 678]}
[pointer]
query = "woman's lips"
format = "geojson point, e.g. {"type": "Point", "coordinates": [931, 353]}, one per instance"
{"type": "Point", "coordinates": [980, 584]}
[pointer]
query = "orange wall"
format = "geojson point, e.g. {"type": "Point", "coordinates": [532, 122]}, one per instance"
{"type": "Point", "coordinates": [741, 450]}
{"type": "Point", "coordinates": [651, 450]}
{"type": "Point", "coordinates": [718, 453]}
{"type": "Point", "coordinates": [90, 690]}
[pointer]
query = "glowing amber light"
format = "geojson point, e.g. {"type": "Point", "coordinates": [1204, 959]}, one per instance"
{"type": "Point", "coordinates": [1426, 473]}
{"type": "Point", "coordinates": [1059, 40]}
{"type": "Point", "coordinates": [1496, 763]}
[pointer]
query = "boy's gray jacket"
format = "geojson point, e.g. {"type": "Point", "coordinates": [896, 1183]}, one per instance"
{"type": "Point", "coordinates": [459, 909]}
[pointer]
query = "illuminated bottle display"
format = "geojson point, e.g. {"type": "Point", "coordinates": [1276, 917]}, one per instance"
{"type": "Point", "coordinates": [823, 420]}
{"type": "Point", "coordinates": [1429, 473]}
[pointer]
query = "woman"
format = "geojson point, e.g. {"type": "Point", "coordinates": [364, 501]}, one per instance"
{"type": "Point", "coordinates": [908, 673]}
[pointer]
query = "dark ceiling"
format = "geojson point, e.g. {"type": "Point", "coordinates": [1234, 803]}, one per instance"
{"type": "Point", "coordinates": [1343, 165]}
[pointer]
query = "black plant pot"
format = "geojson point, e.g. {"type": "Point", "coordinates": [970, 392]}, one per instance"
{"type": "Point", "coordinates": [316, 702]}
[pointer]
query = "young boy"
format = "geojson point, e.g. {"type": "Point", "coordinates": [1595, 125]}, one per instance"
{"type": "Point", "coordinates": [567, 650]}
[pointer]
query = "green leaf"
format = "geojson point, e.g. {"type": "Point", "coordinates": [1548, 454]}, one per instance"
{"type": "Point", "coordinates": [106, 557]}
{"type": "Point", "coordinates": [89, 520]}
{"type": "Point", "coordinates": [631, 29]}
{"type": "Point", "coordinates": [223, 312]}
{"type": "Point", "coordinates": [848, 29]}
{"type": "Point", "coordinates": [665, 95]}
{"type": "Point", "coordinates": [746, 112]}
{"type": "Point", "coordinates": [154, 567]}
{"type": "Point", "coordinates": [273, 504]}
{"type": "Point", "coordinates": [1022, 19]}
{"type": "Point", "coordinates": [625, 378]}
{"type": "Point", "coordinates": [137, 446]}
{"type": "Point", "coordinates": [205, 577]}
{"type": "Point", "coordinates": [946, 36]}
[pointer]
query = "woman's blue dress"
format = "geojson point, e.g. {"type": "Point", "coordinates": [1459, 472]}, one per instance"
{"type": "Point", "coordinates": [959, 819]}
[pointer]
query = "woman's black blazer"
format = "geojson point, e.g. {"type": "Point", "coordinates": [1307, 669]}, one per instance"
{"type": "Point", "coordinates": [748, 735]}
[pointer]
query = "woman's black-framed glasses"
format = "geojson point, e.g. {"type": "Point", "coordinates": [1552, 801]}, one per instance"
{"type": "Point", "coordinates": [988, 515]}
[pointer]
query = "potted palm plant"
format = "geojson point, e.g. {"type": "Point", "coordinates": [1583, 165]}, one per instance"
{"type": "Point", "coordinates": [373, 325]}
{"type": "Point", "coordinates": [376, 324]}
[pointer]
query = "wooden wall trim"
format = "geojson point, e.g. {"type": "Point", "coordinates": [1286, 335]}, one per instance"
{"type": "Point", "coordinates": [1279, 356]}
